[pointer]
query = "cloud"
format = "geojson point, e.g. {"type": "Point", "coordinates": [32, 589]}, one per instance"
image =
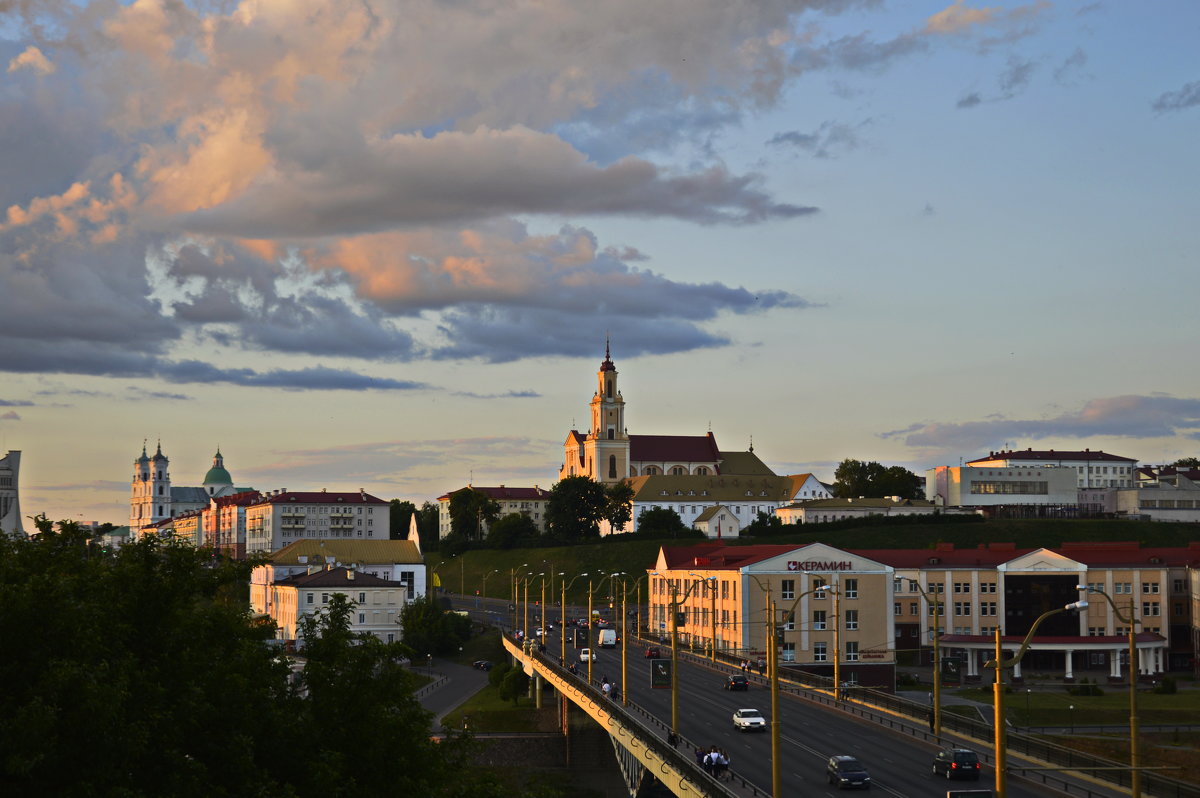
{"type": "Point", "coordinates": [1186, 97]}
{"type": "Point", "coordinates": [33, 59]}
{"type": "Point", "coordinates": [1129, 416]}
{"type": "Point", "coordinates": [1070, 66]}
{"type": "Point", "coordinates": [15, 403]}
{"type": "Point", "coordinates": [829, 137]}
{"type": "Point", "coordinates": [1015, 79]}
{"type": "Point", "coordinates": [315, 378]}
{"type": "Point", "coordinates": [506, 395]}
{"type": "Point", "coordinates": [11, 415]}
{"type": "Point", "coordinates": [969, 100]}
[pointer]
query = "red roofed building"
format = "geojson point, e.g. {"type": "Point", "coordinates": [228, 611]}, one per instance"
{"type": "Point", "coordinates": [530, 502]}
{"type": "Point", "coordinates": [282, 517]}
{"type": "Point", "coordinates": [892, 601]}
{"type": "Point", "coordinates": [224, 522]}
{"type": "Point", "coordinates": [1092, 469]}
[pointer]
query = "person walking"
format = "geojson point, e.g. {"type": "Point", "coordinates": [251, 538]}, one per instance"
{"type": "Point", "coordinates": [722, 768]}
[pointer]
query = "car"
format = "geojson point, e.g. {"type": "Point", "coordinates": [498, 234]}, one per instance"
{"type": "Point", "coordinates": [737, 681]}
{"type": "Point", "coordinates": [482, 665]}
{"type": "Point", "coordinates": [582, 623]}
{"type": "Point", "coordinates": [748, 720]}
{"type": "Point", "coordinates": [956, 763]}
{"type": "Point", "coordinates": [846, 771]}
{"type": "Point", "coordinates": [653, 652]}
{"type": "Point", "coordinates": [586, 655]}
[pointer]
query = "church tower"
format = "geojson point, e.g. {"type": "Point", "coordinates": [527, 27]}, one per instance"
{"type": "Point", "coordinates": [606, 448]}
{"type": "Point", "coordinates": [217, 481]}
{"type": "Point", "coordinates": [150, 495]}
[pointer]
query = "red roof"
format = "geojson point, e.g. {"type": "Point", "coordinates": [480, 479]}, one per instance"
{"type": "Point", "coordinates": [320, 497]}
{"type": "Point", "coordinates": [240, 499]}
{"type": "Point", "coordinates": [674, 448]}
{"type": "Point", "coordinates": [1050, 454]}
{"type": "Point", "coordinates": [504, 492]}
{"type": "Point", "coordinates": [336, 577]}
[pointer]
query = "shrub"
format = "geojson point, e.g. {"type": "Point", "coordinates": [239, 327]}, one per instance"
{"type": "Point", "coordinates": [1167, 686]}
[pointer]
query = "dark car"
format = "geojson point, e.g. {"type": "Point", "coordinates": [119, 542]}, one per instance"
{"type": "Point", "coordinates": [482, 665]}
{"type": "Point", "coordinates": [956, 763]}
{"type": "Point", "coordinates": [846, 771]}
{"type": "Point", "coordinates": [653, 652]}
{"type": "Point", "coordinates": [737, 682]}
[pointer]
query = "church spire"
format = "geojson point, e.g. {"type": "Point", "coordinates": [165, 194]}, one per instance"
{"type": "Point", "coordinates": [607, 365]}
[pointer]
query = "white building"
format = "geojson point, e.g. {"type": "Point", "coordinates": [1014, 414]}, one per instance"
{"type": "Point", "coordinates": [391, 560]}
{"type": "Point", "coordinates": [1170, 495]}
{"type": "Point", "coordinates": [152, 497]}
{"type": "Point", "coordinates": [816, 511]}
{"type": "Point", "coordinates": [1092, 469]}
{"type": "Point", "coordinates": [530, 502]}
{"type": "Point", "coordinates": [10, 501]}
{"type": "Point", "coordinates": [283, 517]}
{"type": "Point", "coordinates": [994, 486]}
{"type": "Point", "coordinates": [377, 602]}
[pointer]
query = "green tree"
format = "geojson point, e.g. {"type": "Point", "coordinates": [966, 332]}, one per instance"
{"type": "Point", "coordinates": [472, 511]}
{"type": "Point", "coordinates": [427, 628]}
{"type": "Point", "coordinates": [618, 505]}
{"type": "Point", "coordinates": [427, 526]}
{"type": "Point", "coordinates": [764, 525]}
{"type": "Point", "coordinates": [660, 522]}
{"type": "Point", "coordinates": [399, 515]}
{"type": "Point", "coordinates": [855, 478]}
{"type": "Point", "coordinates": [575, 508]}
{"type": "Point", "coordinates": [512, 530]}
{"type": "Point", "coordinates": [1187, 462]}
{"type": "Point", "coordinates": [514, 685]}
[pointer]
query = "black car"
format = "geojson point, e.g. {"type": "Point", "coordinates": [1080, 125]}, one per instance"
{"type": "Point", "coordinates": [737, 682]}
{"type": "Point", "coordinates": [846, 771]}
{"type": "Point", "coordinates": [956, 763]}
{"type": "Point", "coordinates": [481, 665]}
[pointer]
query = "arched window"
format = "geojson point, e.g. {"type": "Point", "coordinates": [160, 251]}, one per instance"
{"type": "Point", "coordinates": [160, 490]}
{"type": "Point", "coordinates": [612, 433]}
{"type": "Point", "coordinates": [678, 471]}
{"type": "Point", "coordinates": [612, 464]}
{"type": "Point", "coordinates": [702, 470]}
{"type": "Point", "coordinates": [608, 383]}
{"type": "Point", "coordinates": [651, 471]}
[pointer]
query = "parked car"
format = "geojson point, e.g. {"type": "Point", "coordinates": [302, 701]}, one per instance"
{"type": "Point", "coordinates": [956, 763]}
{"type": "Point", "coordinates": [748, 720]}
{"type": "Point", "coordinates": [846, 771]}
{"type": "Point", "coordinates": [653, 652]}
{"type": "Point", "coordinates": [586, 655]}
{"type": "Point", "coordinates": [737, 682]}
{"type": "Point", "coordinates": [482, 665]}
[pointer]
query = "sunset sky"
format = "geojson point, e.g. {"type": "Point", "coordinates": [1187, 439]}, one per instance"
{"type": "Point", "coordinates": [380, 244]}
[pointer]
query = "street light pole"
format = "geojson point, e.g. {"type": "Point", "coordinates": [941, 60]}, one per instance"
{"type": "Point", "coordinates": [673, 607]}
{"type": "Point", "coordinates": [563, 631]}
{"type": "Point", "coordinates": [625, 637]}
{"type": "Point", "coordinates": [999, 663]}
{"type": "Point", "coordinates": [1135, 774]}
{"type": "Point", "coordinates": [484, 591]}
{"type": "Point", "coordinates": [710, 586]}
{"type": "Point", "coordinates": [936, 632]}
{"type": "Point", "coordinates": [837, 638]}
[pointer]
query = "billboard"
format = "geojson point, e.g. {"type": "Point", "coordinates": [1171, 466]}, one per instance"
{"type": "Point", "coordinates": [660, 673]}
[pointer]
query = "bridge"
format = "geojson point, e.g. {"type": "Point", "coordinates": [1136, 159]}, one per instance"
{"type": "Point", "coordinates": [638, 738]}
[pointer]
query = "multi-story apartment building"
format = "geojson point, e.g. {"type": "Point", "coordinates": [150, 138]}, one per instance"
{"type": "Point", "coordinates": [377, 603]}
{"type": "Point", "coordinates": [1092, 469]}
{"type": "Point", "coordinates": [10, 496]}
{"type": "Point", "coordinates": [281, 517]}
{"type": "Point", "coordinates": [224, 522]}
{"type": "Point", "coordinates": [818, 511]}
{"type": "Point", "coordinates": [893, 600]}
{"type": "Point", "coordinates": [530, 502]}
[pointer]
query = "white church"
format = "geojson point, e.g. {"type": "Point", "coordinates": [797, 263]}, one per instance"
{"type": "Point", "coordinates": [153, 498]}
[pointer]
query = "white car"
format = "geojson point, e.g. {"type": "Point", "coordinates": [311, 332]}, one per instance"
{"type": "Point", "coordinates": [748, 720]}
{"type": "Point", "coordinates": [585, 655]}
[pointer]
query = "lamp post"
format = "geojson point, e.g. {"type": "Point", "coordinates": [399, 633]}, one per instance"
{"type": "Point", "coordinates": [837, 638]}
{"type": "Point", "coordinates": [625, 637]}
{"type": "Point", "coordinates": [1135, 775]}
{"type": "Point", "coordinates": [436, 575]}
{"type": "Point", "coordinates": [512, 590]}
{"type": "Point", "coordinates": [673, 607]}
{"type": "Point", "coordinates": [999, 663]}
{"type": "Point", "coordinates": [563, 632]}
{"type": "Point", "coordinates": [936, 632]}
{"type": "Point", "coordinates": [484, 591]}
{"type": "Point", "coordinates": [592, 658]}
{"type": "Point", "coordinates": [528, 578]}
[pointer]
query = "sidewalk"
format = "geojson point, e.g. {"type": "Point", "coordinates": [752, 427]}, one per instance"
{"type": "Point", "coordinates": [462, 682]}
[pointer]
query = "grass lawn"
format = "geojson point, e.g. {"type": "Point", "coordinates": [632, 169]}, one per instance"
{"type": "Point", "coordinates": [487, 712]}
{"type": "Point", "coordinates": [1054, 708]}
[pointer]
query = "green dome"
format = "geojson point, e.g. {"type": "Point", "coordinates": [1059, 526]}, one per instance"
{"type": "Point", "coordinates": [217, 476]}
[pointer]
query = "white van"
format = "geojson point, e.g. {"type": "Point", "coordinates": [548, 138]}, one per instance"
{"type": "Point", "coordinates": [608, 638]}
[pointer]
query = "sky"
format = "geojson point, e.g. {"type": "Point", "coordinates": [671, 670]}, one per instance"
{"type": "Point", "coordinates": [381, 244]}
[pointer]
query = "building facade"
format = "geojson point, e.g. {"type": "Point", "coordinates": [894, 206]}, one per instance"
{"type": "Point", "coordinates": [991, 487]}
{"type": "Point", "coordinates": [819, 511]}
{"type": "Point", "coordinates": [530, 502]}
{"type": "Point", "coordinates": [282, 517]}
{"type": "Point", "coordinates": [10, 497]}
{"type": "Point", "coordinates": [1092, 469]}
{"type": "Point", "coordinates": [377, 603]}
{"type": "Point", "coordinates": [153, 498]}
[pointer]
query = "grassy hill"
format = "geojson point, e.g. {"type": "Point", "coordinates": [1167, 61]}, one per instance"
{"type": "Point", "coordinates": [634, 556]}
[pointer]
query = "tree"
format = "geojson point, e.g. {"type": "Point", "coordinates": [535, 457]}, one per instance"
{"type": "Point", "coordinates": [427, 526]}
{"type": "Point", "coordinates": [1187, 462]}
{"type": "Point", "coordinates": [618, 505]}
{"type": "Point", "coordinates": [399, 516]}
{"type": "Point", "coordinates": [660, 522]}
{"type": "Point", "coordinates": [575, 508]}
{"type": "Point", "coordinates": [429, 629]}
{"type": "Point", "coordinates": [764, 525]}
{"type": "Point", "coordinates": [855, 478]}
{"type": "Point", "coordinates": [511, 531]}
{"type": "Point", "coordinates": [514, 685]}
{"type": "Point", "coordinates": [471, 511]}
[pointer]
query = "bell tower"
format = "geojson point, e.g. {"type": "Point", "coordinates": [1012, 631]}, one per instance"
{"type": "Point", "coordinates": [607, 443]}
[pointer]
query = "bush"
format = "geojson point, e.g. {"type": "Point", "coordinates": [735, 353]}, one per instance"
{"type": "Point", "coordinates": [1085, 687]}
{"type": "Point", "coordinates": [1167, 686]}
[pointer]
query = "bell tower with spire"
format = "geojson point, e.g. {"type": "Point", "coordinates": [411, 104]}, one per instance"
{"type": "Point", "coordinates": [606, 448]}
{"type": "Point", "coordinates": [150, 493]}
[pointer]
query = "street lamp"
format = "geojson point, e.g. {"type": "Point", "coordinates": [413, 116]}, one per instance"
{"type": "Point", "coordinates": [936, 632]}
{"type": "Point", "coordinates": [1135, 776]}
{"type": "Point", "coordinates": [485, 578]}
{"type": "Point", "coordinates": [563, 632]}
{"type": "Point", "coordinates": [591, 646]}
{"type": "Point", "coordinates": [528, 578]}
{"type": "Point", "coordinates": [837, 638]}
{"type": "Point", "coordinates": [999, 663]}
{"type": "Point", "coordinates": [512, 590]}
{"type": "Point", "coordinates": [625, 637]}
{"type": "Point", "coordinates": [673, 607]}
{"type": "Point", "coordinates": [436, 576]}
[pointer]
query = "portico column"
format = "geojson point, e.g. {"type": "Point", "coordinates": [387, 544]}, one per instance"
{"type": "Point", "coordinates": [1070, 674]}
{"type": "Point", "coordinates": [972, 662]}
{"type": "Point", "coordinates": [1159, 665]}
{"type": "Point", "coordinates": [1017, 670]}
{"type": "Point", "coordinates": [1114, 664]}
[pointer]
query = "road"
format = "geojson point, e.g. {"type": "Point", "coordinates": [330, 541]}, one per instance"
{"type": "Point", "coordinates": [900, 765]}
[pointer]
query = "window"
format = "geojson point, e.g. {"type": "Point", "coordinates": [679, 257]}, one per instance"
{"type": "Point", "coordinates": [962, 587]}
{"type": "Point", "coordinates": [896, 608]}
{"type": "Point", "coordinates": [817, 583]}
{"type": "Point", "coordinates": [788, 589]}
{"type": "Point", "coordinates": [850, 589]}
{"type": "Point", "coordinates": [962, 608]}
{"type": "Point", "coordinates": [912, 608]}
{"type": "Point", "coordinates": [935, 587]}
{"type": "Point", "coordinates": [987, 608]}
{"type": "Point", "coordinates": [308, 598]}
{"type": "Point", "coordinates": [362, 617]}
{"type": "Point", "coordinates": [819, 619]}
{"type": "Point", "coordinates": [1149, 608]}
{"type": "Point", "coordinates": [897, 585]}
{"type": "Point", "coordinates": [987, 587]}
{"type": "Point", "coordinates": [789, 652]}
{"type": "Point", "coordinates": [789, 622]}
{"type": "Point", "coordinates": [820, 652]}
{"type": "Point", "coordinates": [1177, 609]}
{"type": "Point", "coordinates": [724, 589]}
{"type": "Point", "coordinates": [936, 609]}
{"type": "Point", "coordinates": [1178, 586]}
{"type": "Point", "coordinates": [612, 462]}
{"type": "Point", "coordinates": [362, 598]}
{"type": "Point", "coordinates": [851, 620]}
{"type": "Point", "coordinates": [851, 651]}
{"type": "Point", "coordinates": [1149, 588]}
{"type": "Point", "coordinates": [324, 598]}
{"type": "Point", "coordinates": [1122, 587]}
